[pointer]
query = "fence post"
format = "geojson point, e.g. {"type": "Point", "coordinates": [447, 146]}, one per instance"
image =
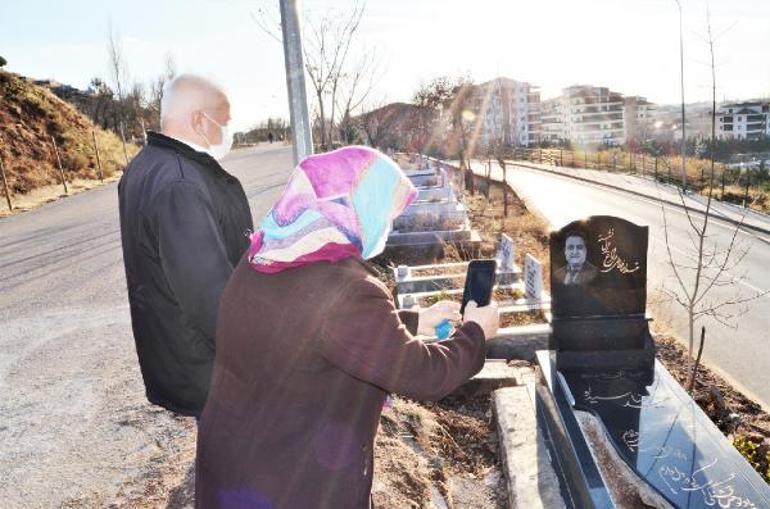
{"type": "Point", "coordinates": [561, 157]}
{"type": "Point", "coordinates": [505, 190]}
{"type": "Point", "coordinates": [746, 194]}
{"type": "Point", "coordinates": [5, 186]}
{"type": "Point", "coordinates": [656, 168]}
{"type": "Point", "coordinates": [58, 162]}
{"type": "Point", "coordinates": [598, 160]}
{"type": "Point", "coordinates": [123, 138]}
{"type": "Point", "coordinates": [722, 196]}
{"type": "Point", "coordinates": [98, 159]}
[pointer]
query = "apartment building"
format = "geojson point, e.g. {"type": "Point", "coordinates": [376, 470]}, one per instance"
{"type": "Point", "coordinates": [509, 112]}
{"type": "Point", "coordinates": [553, 122]}
{"type": "Point", "coordinates": [638, 115]}
{"type": "Point", "coordinates": [593, 115]}
{"type": "Point", "coordinates": [744, 120]}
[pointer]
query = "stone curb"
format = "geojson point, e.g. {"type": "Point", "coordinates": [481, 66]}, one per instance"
{"type": "Point", "coordinates": [530, 478]}
{"type": "Point", "coordinates": [717, 215]}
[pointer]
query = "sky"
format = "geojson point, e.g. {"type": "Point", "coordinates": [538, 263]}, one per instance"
{"type": "Point", "coordinates": [631, 46]}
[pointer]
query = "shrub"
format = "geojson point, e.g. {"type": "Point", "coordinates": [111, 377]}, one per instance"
{"type": "Point", "coordinates": [755, 453]}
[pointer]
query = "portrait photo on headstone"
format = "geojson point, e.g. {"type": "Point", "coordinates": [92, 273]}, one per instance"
{"type": "Point", "coordinates": [599, 267]}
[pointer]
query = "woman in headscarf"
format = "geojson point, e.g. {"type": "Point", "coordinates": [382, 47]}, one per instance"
{"type": "Point", "coordinates": [309, 343]}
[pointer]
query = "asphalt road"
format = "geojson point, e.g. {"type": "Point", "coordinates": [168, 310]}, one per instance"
{"type": "Point", "coordinates": [742, 353]}
{"type": "Point", "coordinates": [75, 429]}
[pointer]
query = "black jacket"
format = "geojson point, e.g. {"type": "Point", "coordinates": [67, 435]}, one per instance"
{"type": "Point", "coordinates": [184, 223]}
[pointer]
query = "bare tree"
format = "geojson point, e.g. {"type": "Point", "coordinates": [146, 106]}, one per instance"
{"type": "Point", "coordinates": [158, 85]}
{"type": "Point", "coordinates": [352, 87]}
{"type": "Point", "coordinates": [327, 51]}
{"type": "Point", "coordinates": [711, 267]}
{"type": "Point", "coordinates": [456, 120]}
{"type": "Point", "coordinates": [500, 152]}
{"type": "Point", "coordinates": [118, 68]}
{"type": "Point", "coordinates": [119, 74]}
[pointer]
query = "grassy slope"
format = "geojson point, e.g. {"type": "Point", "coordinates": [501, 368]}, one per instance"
{"type": "Point", "coordinates": [29, 116]}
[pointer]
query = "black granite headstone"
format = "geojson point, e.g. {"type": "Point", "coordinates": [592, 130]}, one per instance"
{"type": "Point", "coordinates": [599, 268]}
{"type": "Point", "coordinates": [598, 287]}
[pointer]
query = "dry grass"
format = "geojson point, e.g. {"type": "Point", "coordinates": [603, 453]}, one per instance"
{"type": "Point", "coordinates": [29, 117]}
{"type": "Point", "coordinates": [445, 447]}
{"type": "Point", "coordinates": [669, 170]}
{"type": "Point", "coordinates": [528, 230]}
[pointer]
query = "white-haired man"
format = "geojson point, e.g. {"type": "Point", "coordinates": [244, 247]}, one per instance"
{"type": "Point", "coordinates": [184, 222]}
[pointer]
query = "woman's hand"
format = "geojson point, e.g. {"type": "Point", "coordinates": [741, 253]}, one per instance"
{"type": "Point", "coordinates": [486, 317]}
{"type": "Point", "coordinates": [437, 313]}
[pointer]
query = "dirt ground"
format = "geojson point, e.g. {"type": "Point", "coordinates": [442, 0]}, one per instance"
{"type": "Point", "coordinates": [438, 455]}
{"type": "Point", "coordinates": [48, 193]}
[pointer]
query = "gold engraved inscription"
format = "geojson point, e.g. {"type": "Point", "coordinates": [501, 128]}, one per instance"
{"type": "Point", "coordinates": [612, 260]}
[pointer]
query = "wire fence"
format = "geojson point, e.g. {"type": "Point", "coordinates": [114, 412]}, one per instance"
{"type": "Point", "coordinates": [749, 188]}
{"type": "Point", "coordinates": [62, 176]}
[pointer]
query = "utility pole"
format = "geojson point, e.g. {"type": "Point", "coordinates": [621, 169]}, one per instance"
{"type": "Point", "coordinates": [681, 79]}
{"type": "Point", "coordinates": [295, 79]}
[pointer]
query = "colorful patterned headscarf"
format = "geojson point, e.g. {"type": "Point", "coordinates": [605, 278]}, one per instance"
{"type": "Point", "coordinates": [336, 205]}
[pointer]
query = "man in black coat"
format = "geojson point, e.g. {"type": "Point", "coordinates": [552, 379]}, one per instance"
{"type": "Point", "coordinates": [184, 225]}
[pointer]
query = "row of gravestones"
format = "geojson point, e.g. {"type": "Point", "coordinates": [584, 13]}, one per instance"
{"type": "Point", "coordinates": [419, 284]}
{"type": "Point", "coordinates": [437, 215]}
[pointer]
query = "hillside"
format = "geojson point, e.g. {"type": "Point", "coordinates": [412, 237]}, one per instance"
{"type": "Point", "coordinates": [29, 116]}
{"type": "Point", "coordinates": [398, 125]}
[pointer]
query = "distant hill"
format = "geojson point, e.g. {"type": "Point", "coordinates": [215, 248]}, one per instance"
{"type": "Point", "coordinates": [29, 116]}
{"type": "Point", "coordinates": [398, 125]}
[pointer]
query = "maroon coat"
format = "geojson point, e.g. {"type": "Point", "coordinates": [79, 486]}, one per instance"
{"type": "Point", "coordinates": [304, 360]}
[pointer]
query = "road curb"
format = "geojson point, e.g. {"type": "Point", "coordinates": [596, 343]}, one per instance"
{"type": "Point", "coordinates": [716, 215]}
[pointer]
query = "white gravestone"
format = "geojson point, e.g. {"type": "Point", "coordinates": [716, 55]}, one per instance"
{"type": "Point", "coordinates": [506, 253]}
{"type": "Point", "coordinates": [533, 277]}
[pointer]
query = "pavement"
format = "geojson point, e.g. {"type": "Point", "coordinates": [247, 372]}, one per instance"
{"type": "Point", "coordinates": [76, 430]}
{"type": "Point", "coordinates": [647, 186]}
{"type": "Point", "coordinates": [739, 351]}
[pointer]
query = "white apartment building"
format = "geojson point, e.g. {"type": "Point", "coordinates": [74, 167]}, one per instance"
{"type": "Point", "coordinates": [639, 119]}
{"type": "Point", "coordinates": [508, 112]}
{"type": "Point", "coordinates": [744, 120]}
{"type": "Point", "coordinates": [553, 127]}
{"type": "Point", "coordinates": [589, 115]}
{"type": "Point", "coordinates": [593, 115]}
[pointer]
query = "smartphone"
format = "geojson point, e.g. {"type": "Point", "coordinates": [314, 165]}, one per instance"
{"type": "Point", "coordinates": [479, 282]}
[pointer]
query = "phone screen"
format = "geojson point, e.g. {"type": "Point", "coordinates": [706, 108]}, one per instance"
{"type": "Point", "coordinates": [479, 282]}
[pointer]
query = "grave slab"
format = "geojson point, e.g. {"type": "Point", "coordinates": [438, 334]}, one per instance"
{"type": "Point", "coordinates": [430, 216]}
{"type": "Point", "coordinates": [436, 194]}
{"type": "Point", "coordinates": [656, 428]}
{"type": "Point", "coordinates": [520, 342]}
{"type": "Point", "coordinates": [495, 374]}
{"type": "Point", "coordinates": [465, 239]}
{"type": "Point", "coordinates": [443, 276]}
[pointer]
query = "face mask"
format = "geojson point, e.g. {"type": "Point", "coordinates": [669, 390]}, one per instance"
{"type": "Point", "coordinates": [223, 148]}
